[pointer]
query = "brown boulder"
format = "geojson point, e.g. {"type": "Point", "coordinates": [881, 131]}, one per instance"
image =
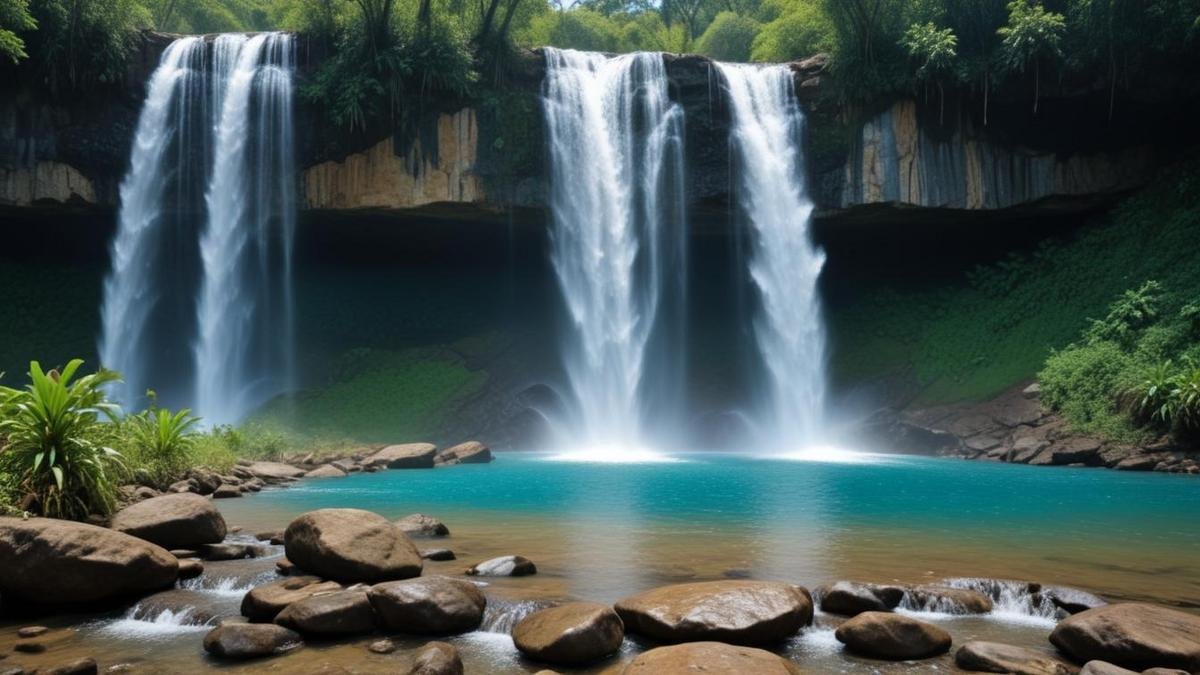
{"type": "Point", "coordinates": [274, 472]}
{"type": "Point", "coordinates": [710, 658]}
{"type": "Point", "coordinates": [183, 520]}
{"type": "Point", "coordinates": [264, 603]}
{"type": "Point", "coordinates": [339, 613]}
{"type": "Point", "coordinates": [734, 611]}
{"type": "Point", "coordinates": [1133, 635]}
{"type": "Point", "coordinates": [436, 658]}
{"type": "Point", "coordinates": [884, 635]}
{"type": "Point", "coordinates": [326, 471]}
{"type": "Point", "coordinates": [421, 525]}
{"type": "Point", "coordinates": [471, 452]}
{"type": "Point", "coordinates": [849, 598]}
{"type": "Point", "coordinates": [433, 605]}
{"type": "Point", "coordinates": [351, 545]}
{"type": "Point", "coordinates": [406, 456]}
{"type": "Point", "coordinates": [49, 561]}
{"type": "Point", "coordinates": [572, 634]}
{"type": "Point", "coordinates": [250, 640]}
{"type": "Point", "coordinates": [1104, 668]}
{"type": "Point", "coordinates": [504, 566]}
{"type": "Point", "coordinates": [948, 599]}
{"type": "Point", "coordinates": [995, 657]}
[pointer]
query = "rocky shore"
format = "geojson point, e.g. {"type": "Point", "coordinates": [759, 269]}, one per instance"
{"type": "Point", "coordinates": [1016, 428]}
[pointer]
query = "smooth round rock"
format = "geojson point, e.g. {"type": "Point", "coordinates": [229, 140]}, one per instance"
{"type": "Point", "coordinates": [404, 456]}
{"type": "Point", "coordinates": [709, 658]}
{"type": "Point", "coordinates": [884, 635]}
{"type": "Point", "coordinates": [948, 600]}
{"type": "Point", "coordinates": [735, 611]}
{"type": "Point", "coordinates": [1132, 635]}
{"type": "Point", "coordinates": [264, 603]}
{"type": "Point", "coordinates": [849, 598]}
{"type": "Point", "coordinates": [326, 471]}
{"type": "Point", "coordinates": [340, 613]}
{"type": "Point", "coordinates": [504, 566]}
{"type": "Point", "coordinates": [996, 657]}
{"type": "Point", "coordinates": [83, 666]}
{"type": "Point", "coordinates": [439, 554]}
{"type": "Point", "coordinates": [32, 631]}
{"type": "Point", "coordinates": [434, 605]}
{"type": "Point", "coordinates": [437, 658]}
{"type": "Point", "coordinates": [572, 634]}
{"type": "Point", "coordinates": [250, 640]}
{"type": "Point", "coordinates": [421, 525]}
{"type": "Point", "coordinates": [190, 568]}
{"type": "Point", "coordinates": [351, 545]}
{"type": "Point", "coordinates": [183, 520]}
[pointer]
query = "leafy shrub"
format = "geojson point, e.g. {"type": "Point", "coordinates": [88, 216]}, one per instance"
{"type": "Point", "coordinates": [582, 29]}
{"type": "Point", "coordinates": [799, 30]}
{"type": "Point", "coordinates": [728, 38]}
{"type": "Point", "coordinates": [1080, 381]}
{"type": "Point", "coordinates": [1134, 311]}
{"type": "Point", "coordinates": [162, 442]}
{"type": "Point", "coordinates": [50, 450]}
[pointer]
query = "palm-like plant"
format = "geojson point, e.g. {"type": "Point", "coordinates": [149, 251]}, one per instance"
{"type": "Point", "coordinates": [164, 439]}
{"type": "Point", "coordinates": [49, 449]}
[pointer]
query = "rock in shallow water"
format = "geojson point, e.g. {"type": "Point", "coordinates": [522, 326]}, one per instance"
{"type": "Point", "coordinates": [250, 640]}
{"type": "Point", "coordinates": [1133, 635]}
{"type": "Point", "coordinates": [326, 471]}
{"type": "Point", "coordinates": [896, 637]}
{"type": "Point", "coordinates": [734, 611]}
{"type": "Point", "coordinates": [504, 566]}
{"type": "Point", "coordinates": [572, 634]}
{"type": "Point", "coordinates": [351, 545]}
{"type": "Point", "coordinates": [340, 613]}
{"type": "Point", "coordinates": [173, 521]}
{"type": "Point", "coordinates": [849, 598]}
{"type": "Point", "coordinates": [947, 599]}
{"type": "Point", "coordinates": [263, 603]}
{"type": "Point", "coordinates": [421, 525]}
{"type": "Point", "coordinates": [439, 554]}
{"type": "Point", "coordinates": [471, 452]}
{"type": "Point", "coordinates": [437, 658]}
{"type": "Point", "coordinates": [710, 658]}
{"type": "Point", "coordinates": [433, 605]}
{"type": "Point", "coordinates": [405, 456]}
{"type": "Point", "coordinates": [995, 657]}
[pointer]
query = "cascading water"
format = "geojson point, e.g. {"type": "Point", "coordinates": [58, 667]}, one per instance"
{"type": "Point", "coordinates": [198, 301]}
{"type": "Point", "coordinates": [784, 264]}
{"type": "Point", "coordinates": [618, 240]}
{"type": "Point", "coordinates": [244, 306]}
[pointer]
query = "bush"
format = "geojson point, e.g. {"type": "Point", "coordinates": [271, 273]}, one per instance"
{"type": "Point", "coordinates": [51, 451]}
{"type": "Point", "coordinates": [801, 29]}
{"type": "Point", "coordinates": [581, 29]}
{"type": "Point", "coordinates": [1080, 381]}
{"type": "Point", "coordinates": [728, 38]}
{"type": "Point", "coordinates": [162, 444]}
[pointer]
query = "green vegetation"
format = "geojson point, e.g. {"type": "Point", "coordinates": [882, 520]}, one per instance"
{"type": "Point", "coordinates": [996, 326]}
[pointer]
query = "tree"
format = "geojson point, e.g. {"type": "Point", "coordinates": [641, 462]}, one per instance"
{"type": "Point", "coordinates": [976, 24]}
{"type": "Point", "coordinates": [728, 38]}
{"type": "Point", "coordinates": [80, 43]}
{"type": "Point", "coordinates": [14, 20]}
{"type": "Point", "coordinates": [1032, 36]}
{"type": "Point", "coordinates": [799, 30]}
{"type": "Point", "coordinates": [936, 50]}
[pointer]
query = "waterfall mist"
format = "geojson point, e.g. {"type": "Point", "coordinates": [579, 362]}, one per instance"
{"type": "Point", "coordinates": [618, 243]}
{"type": "Point", "coordinates": [784, 264]}
{"type": "Point", "coordinates": [198, 302]}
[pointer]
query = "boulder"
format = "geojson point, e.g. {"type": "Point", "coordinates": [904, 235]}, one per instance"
{"type": "Point", "coordinates": [572, 634]}
{"type": "Point", "coordinates": [995, 657]}
{"type": "Point", "coordinates": [183, 520]}
{"type": "Point", "coordinates": [81, 666]}
{"type": "Point", "coordinates": [227, 491]}
{"type": "Point", "coordinates": [710, 658]}
{"type": "Point", "coordinates": [1138, 463]}
{"type": "Point", "coordinates": [1132, 635]}
{"type": "Point", "coordinates": [274, 472]}
{"type": "Point", "coordinates": [1072, 600]}
{"type": "Point", "coordinates": [436, 658]}
{"type": "Point", "coordinates": [421, 525]}
{"type": "Point", "coordinates": [948, 600]}
{"type": "Point", "coordinates": [884, 635]}
{"type": "Point", "coordinates": [434, 605]}
{"type": "Point", "coordinates": [233, 550]}
{"type": "Point", "coordinates": [274, 537]}
{"type": "Point", "coordinates": [189, 606]}
{"type": "Point", "coordinates": [264, 603]}
{"type": "Point", "coordinates": [406, 456]}
{"type": "Point", "coordinates": [471, 452]}
{"type": "Point", "coordinates": [250, 640]}
{"type": "Point", "coordinates": [734, 611]}
{"type": "Point", "coordinates": [504, 566]}
{"type": "Point", "coordinates": [187, 485]}
{"type": "Point", "coordinates": [1033, 391]}
{"type": "Point", "coordinates": [1077, 450]}
{"type": "Point", "coordinates": [48, 561]}
{"type": "Point", "coordinates": [384, 646]}
{"type": "Point", "coordinates": [190, 568]}
{"type": "Point", "coordinates": [441, 554]}
{"type": "Point", "coordinates": [1104, 668]}
{"type": "Point", "coordinates": [346, 465]}
{"type": "Point", "coordinates": [26, 632]}
{"type": "Point", "coordinates": [849, 598]}
{"type": "Point", "coordinates": [325, 471]}
{"type": "Point", "coordinates": [351, 545]}
{"type": "Point", "coordinates": [340, 613]}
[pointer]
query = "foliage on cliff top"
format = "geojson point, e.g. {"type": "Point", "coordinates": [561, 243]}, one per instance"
{"type": "Point", "coordinates": [997, 324]}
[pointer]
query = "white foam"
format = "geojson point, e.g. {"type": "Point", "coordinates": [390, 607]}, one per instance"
{"type": "Point", "coordinates": [164, 624]}
{"type": "Point", "coordinates": [818, 641]}
{"type": "Point", "coordinates": [829, 454]}
{"type": "Point", "coordinates": [613, 454]}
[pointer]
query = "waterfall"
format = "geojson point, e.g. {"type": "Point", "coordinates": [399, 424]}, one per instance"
{"type": "Point", "coordinates": [197, 303]}
{"type": "Point", "coordinates": [243, 312]}
{"type": "Point", "coordinates": [141, 310]}
{"type": "Point", "coordinates": [618, 239]}
{"type": "Point", "coordinates": [784, 264]}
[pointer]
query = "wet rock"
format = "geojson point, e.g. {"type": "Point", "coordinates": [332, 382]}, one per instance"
{"type": "Point", "coordinates": [471, 452]}
{"type": "Point", "coordinates": [734, 611]}
{"type": "Point", "coordinates": [384, 646]}
{"type": "Point", "coordinates": [1104, 668]}
{"type": "Point", "coordinates": [406, 456]}
{"type": "Point", "coordinates": [284, 567]}
{"type": "Point", "coordinates": [1069, 451]}
{"type": "Point", "coordinates": [1014, 412]}
{"type": "Point", "coordinates": [232, 550]}
{"type": "Point", "coordinates": [274, 537]}
{"type": "Point", "coordinates": [710, 658]}
{"type": "Point", "coordinates": [340, 613]}
{"type": "Point", "coordinates": [995, 657]}
{"type": "Point", "coordinates": [274, 472]}
{"type": "Point", "coordinates": [572, 634]}
{"type": "Point", "coordinates": [1137, 463]}
{"type": "Point", "coordinates": [206, 480]}
{"type": "Point", "coordinates": [32, 631]}
{"type": "Point", "coordinates": [884, 635]}
{"type": "Point", "coordinates": [83, 666]}
{"type": "Point", "coordinates": [263, 603]}
{"type": "Point", "coordinates": [48, 561]}
{"type": "Point", "coordinates": [326, 471]}
{"type": "Point", "coordinates": [227, 491]}
{"type": "Point", "coordinates": [948, 599]}
{"type": "Point", "coordinates": [186, 485]}
{"type": "Point", "coordinates": [190, 568]}
{"type": "Point", "coordinates": [849, 598]}
{"type": "Point", "coordinates": [351, 545]}
{"type": "Point", "coordinates": [172, 521]}
{"type": "Point", "coordinates": [1132, 635]}
{"type": "Point", "coordinates": [504, 566]}
{"type": "Point", "coordinates": [421, 525]}
{"type": "Point", "coordinates": [250, 640]}
{"type": "Point", "coordinates": [346, 465]}
{"type": "Point", "coordinates": [434, 605]}
{"type": "Point", "coordinates": [441, 554]}
{"type": "Point", "coordinates": [1072, 600]}
{"type": "Point", "coordinates": [437, 658]}
{"type": "Point", "coordinates": [30, 647]}
{"type": "Point", "coordinates": [189, 606]}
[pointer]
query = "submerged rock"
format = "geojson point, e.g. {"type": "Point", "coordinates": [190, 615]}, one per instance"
{"type": "Point", "coordinates": [710, 658]}
{"type": "Point", "coordinates": [263, 603]}
{"type": "Point", "coordinates": [250, 640]}
{"type": "Point", "coordinates": [48, 561]}
{"type": "Point", "coordinates": [421, 525]}
{"type": "Point", "coordinates": [995, 657]}
{"type": "Point", "coordinates": [82, 666]}
{"type": "Point", "coordinates": [849, 598]}
{"type": "Point", "coordinates": [734, 611]}
{"type": "Point", "coordinates": [437, 658]}
{"type": "Point", "coordinates": [947, 599]}
{"type": "Point", "coordinates": [183, 520]}
{"type": "Point", "coordinates": [884, 635]}
{"type": "Point", "coordinates": [1133, 635]}
{"type": "Point", "coordinates": [406, 456]}
{"type": "Point", "coordinates": [1072, 600]}
{"type": "Point", "coordinates": [339, 613]}
{"type": "Point", "coordinates": [572, 634]}
{"type": "Point", "coordinates": [504, 566]}
{"type": "Point", "coordinates": [440, 554]}
{"type": "Point", "coordinates": [351, 545]}
{"type": "Point", "coordinates": [433, 605]}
